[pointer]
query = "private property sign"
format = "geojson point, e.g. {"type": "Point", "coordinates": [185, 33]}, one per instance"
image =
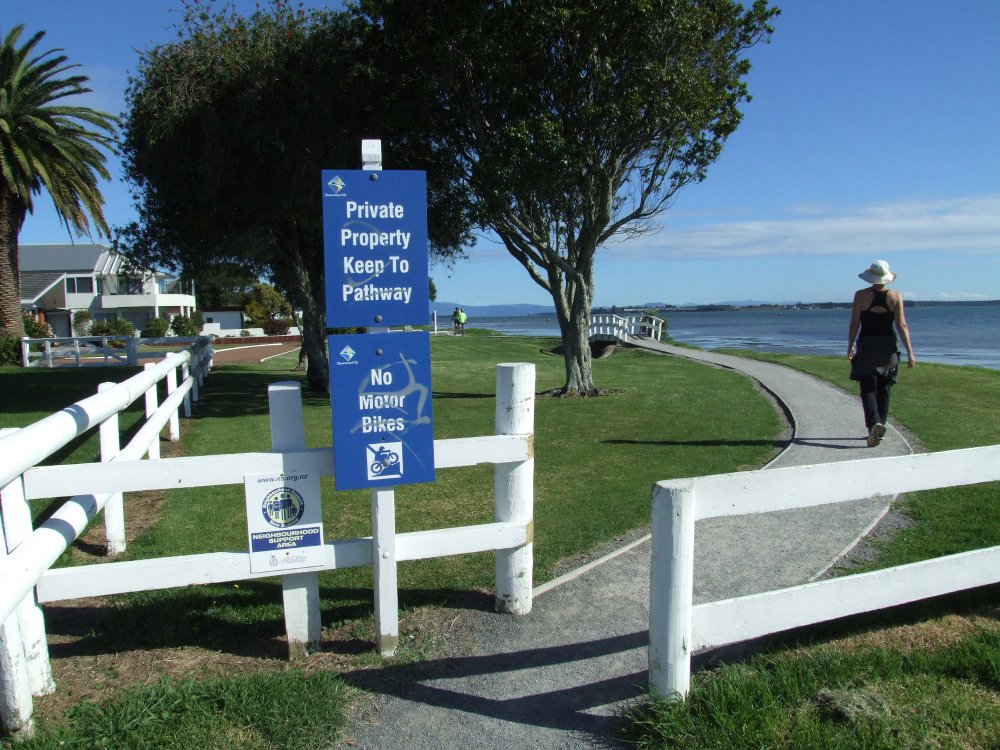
{"type": "Point", "coordinates": [375, 248]}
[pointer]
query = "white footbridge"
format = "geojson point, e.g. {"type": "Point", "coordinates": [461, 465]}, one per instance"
{"type": "Point", "coordinates": [626, 329]}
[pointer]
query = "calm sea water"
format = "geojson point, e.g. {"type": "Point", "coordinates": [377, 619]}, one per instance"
{"type": "Point", "coordinates": [957, 335]}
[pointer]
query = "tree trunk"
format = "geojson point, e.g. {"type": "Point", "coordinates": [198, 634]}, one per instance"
{"type": "Point", "coordinates": [576, 356]}
{"type": "Point", "coordinates": [11, 218]}
{"type": "Point", "coordinates": [313, 324]}
{"type": "Point", "coordinates": [573, 312]}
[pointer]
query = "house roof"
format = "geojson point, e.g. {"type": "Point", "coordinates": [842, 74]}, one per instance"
{"type": "Point", "coordinates": [91, 258]}
{"type": "Point", "coordinates": [36, 283]}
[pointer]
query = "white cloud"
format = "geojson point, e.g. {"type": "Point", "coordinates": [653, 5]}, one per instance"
{"type": "Point", "coordinates": [958, 225]}
{"type": "Point", "coordinates": [957, 297]}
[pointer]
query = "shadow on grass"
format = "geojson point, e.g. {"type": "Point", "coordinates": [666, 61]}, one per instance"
{"type": "Point", "coordinates": [232, 392]}
{"type": "Point", "coordinates": [49, 390]}
{"type": "Point", "coordinates": [244, 619]}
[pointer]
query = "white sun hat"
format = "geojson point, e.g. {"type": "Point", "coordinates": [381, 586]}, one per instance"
{"type": "Point", "coordinates": [878, 273]}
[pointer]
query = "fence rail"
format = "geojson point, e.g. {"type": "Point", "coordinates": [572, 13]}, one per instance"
{"type": "Point", "coordinates": [677, 629]}
{"type": "Point", "coordinates": [27, 555]}
{"type": "Point", "coordinates": [78, 350]}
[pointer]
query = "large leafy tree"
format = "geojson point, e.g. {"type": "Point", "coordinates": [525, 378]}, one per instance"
{"type": "Point", "coordinates": [226, 133]}
{"type": "Point", "coordinates": [47, 145]}
{"type": "Point", "coordinates": [569, 122]}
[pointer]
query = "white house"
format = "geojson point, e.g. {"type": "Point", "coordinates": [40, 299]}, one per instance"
{"type": "Point", "coordinates": [223, 321]}
{"type": "Point", "coordinates": [57, 281]}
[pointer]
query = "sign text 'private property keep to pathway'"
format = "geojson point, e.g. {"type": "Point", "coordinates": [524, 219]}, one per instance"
{"type": "Point", "coordinates": [375, 247]}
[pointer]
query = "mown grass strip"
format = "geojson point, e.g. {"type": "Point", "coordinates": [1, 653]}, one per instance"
{"type": "Point", "coordinates": [918, 677]}
{"type": "Point", "coordinates": [269, 711]}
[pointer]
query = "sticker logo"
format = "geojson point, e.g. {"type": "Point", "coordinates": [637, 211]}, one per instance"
{"type": "Point", "coordinates": [283, 507]}
{"type": "Point", "coordinates": [336, 184]}
{"type": "Point", "coordinates": [347, 354]}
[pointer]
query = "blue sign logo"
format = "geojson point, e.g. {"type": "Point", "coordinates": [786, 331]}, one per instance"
{"type": "Point", "coordinates": [375, 248]}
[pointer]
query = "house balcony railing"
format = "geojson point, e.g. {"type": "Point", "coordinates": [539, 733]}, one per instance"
{"type": "Point", "coordinates": [153, 299]}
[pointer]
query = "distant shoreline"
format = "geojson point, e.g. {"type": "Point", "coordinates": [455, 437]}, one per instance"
{"type": "Point", "coordinates": [773, 306]}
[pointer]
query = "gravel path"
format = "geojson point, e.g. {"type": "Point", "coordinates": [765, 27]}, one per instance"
{"type": "Point", "coordinates": [560, 676]}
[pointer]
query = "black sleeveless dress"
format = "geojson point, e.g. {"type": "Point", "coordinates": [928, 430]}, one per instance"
{"type": "Point", "coordinates": [877, 349]}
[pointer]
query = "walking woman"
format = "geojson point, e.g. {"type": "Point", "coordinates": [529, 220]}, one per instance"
{"type": "Point", "coordinates": [872, 346]}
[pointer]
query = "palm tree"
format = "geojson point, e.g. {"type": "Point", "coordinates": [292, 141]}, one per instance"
{"type": "Point", "coordinates": [44, 145]}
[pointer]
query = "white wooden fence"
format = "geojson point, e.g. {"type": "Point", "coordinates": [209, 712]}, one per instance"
{"type": "Point", "coordinates": [677, 629]}
{"type": "Point", "coordinates": [29, 554]}
{"type": "Point", "coordinates": [24, 663]}
{"type": "Point", "coordinates": [617, 327]}
{"type": "Point", "coordinates": [79, 350]}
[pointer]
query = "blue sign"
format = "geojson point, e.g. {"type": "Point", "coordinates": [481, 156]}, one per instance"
{"type": "Point", "coordinates": [383, 426]}
{"type": "Point", "coordinates": [375, 248]}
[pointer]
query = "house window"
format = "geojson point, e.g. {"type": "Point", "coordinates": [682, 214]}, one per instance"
{"type": "Point", "coordinates": [129, 285]}
{"type": "Point", "coordinates": [79, 285]}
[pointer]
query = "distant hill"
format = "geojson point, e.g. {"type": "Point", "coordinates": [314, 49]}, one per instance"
{"type": "Point", "coordinates": [445, 309]}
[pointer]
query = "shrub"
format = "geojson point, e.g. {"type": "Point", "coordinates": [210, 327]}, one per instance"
{"type": "Point", "coordinates": [155, 328]}
{"type": "Point", "coordinates": [245, 332]}
{"type": "Point", "coordinates": [182, 325]}
{"type": "Point", "coordinates": [276, 326]}
{"type": "Point", "coordinates": [82, 322]}
{"type": "Point", "coordinates": [34, 329]}
{"type": "Point", "coordinates": [10, 350]}
{"type": "Point", "coordinates": [113, 327]}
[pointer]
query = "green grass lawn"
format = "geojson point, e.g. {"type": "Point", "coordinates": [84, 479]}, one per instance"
{"type": "Point", "coordinates": [596, 462]}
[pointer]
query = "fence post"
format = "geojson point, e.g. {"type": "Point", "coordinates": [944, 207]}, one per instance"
{"type": "Point", "coordinates": [671, 585]}
{"type": "Point", "coordinates": [16, 705]}
{"type": "Point", "coordinates": [299, 591]}
{"type": "Point", "coordinates": [175, 424]}
{"type": "Point", "coordinates": [151, 404]}
{"type": "Point", "coordinates": [384, 564]}
{"type": "Point", "coordinates": [114, 510]}
{"type": "Point", "coordinates": [16, 524]}
{"type": "Point", "coordinates": [185, 374]}
{"type": "Point", "coordinates": [192, 372]}
{"type": "Point", "coordinates": [133, 351]}
{"type": "Point", "coordinates": [513, 485]}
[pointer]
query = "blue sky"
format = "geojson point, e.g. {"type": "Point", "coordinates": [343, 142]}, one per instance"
{"type": "Point", "coordinates": [872, 134]}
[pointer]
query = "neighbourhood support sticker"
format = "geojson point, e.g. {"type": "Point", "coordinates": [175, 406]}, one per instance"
{"type": "Point", "coordinates": [284, 521]}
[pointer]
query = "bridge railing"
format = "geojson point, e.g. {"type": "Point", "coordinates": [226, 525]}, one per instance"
{"type": "Point", "coordinates": [677, 629]}
{"type": "Point", "coordinates": [619, 327]}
